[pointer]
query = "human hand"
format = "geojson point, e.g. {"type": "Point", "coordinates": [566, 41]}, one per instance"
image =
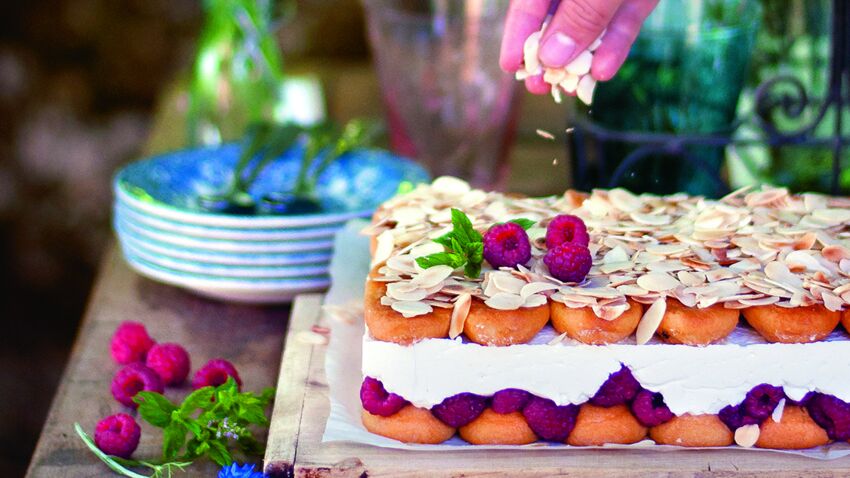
{"type": "Point", "coordinates": [574, 26]}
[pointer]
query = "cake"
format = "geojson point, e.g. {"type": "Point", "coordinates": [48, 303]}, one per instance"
{"type": "Point", "coordinates": [608, 317]}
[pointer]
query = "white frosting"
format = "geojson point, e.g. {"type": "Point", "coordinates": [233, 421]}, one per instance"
{"type": "Point", "coordinates": [692, 379]}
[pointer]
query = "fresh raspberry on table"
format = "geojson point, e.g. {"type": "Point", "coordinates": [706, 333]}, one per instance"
{"type": "Point", "coordinates": [117, 435]}
{"type": "Point", "coordinates": [761, 400]}
{"type": "Point", "coordinates": [132, 379]}
{"type": "Point", "coordinates": [170, 361]}
{"type": "Point", "coordinates": [510, 400]}
{"type": "Point", "coordinates": [832, 414]}
{"type": "Point", "coordinates": [566, 228]}
{"type": "Point", "coordinates": [568, 262]}
{"type": "Point", "coordinates": [621, 387]}
{"type": "Point", "coordinates": [550, 421]}
{"type": "Point", "coordinates": [130, 343]}
{"type": "Point", "coordinates": [734, 417]}
{"type": "Point", "coordinates": [650, 410]}
{"type": "Point", "coordinates": [377, 401]}
{"type": "Point", "coordinates": [506, 245]}
{"type": "Point", "coordinates": [459, 410]}
{"type": "Point", "coordinates": [215, 373]}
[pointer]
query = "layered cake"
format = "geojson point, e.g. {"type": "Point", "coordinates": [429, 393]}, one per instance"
{"type": "Point", "coordinates": [608, 317]}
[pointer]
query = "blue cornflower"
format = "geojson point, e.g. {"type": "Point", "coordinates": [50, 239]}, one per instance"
{"type": "Point", "coordinates": [236, 471]}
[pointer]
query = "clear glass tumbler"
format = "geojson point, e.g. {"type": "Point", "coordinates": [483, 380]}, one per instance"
{"type": "Point", "coordinates": [448, 103]}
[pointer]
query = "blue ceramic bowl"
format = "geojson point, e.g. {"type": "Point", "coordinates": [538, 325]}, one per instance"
{"type": "Point", "coordinates": [168, 186]}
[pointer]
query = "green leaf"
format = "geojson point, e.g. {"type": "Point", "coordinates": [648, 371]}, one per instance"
{"type": "Point", "coordinates": [462, 227]}
{"type": "Point", "coordinates": [173, 439]}
{"type": "Point", "coordinates": [445, 240]}
{"type": "Point", "coordinates": [475, 253]}
{"type": "Point", "coordinates": [523, 222]}
{"type": "Point", "coordinates": [218, 453]}
{"type": "Point", "coordinates": [108, 460]}
{"type": "Point", "coordinates": [201, 398]}
{"type": "Point", "coordinates": [441, 259]}
{"type": "Point", "coordinates": [154, 408]}
{"type": "Point", "coordinates": [472, 270]}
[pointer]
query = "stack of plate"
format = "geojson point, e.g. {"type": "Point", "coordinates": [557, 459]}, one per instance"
{"type": "Point", "coordinates": [167, 237]}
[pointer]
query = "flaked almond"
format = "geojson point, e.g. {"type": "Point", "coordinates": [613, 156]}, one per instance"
{"type": "Point", "coordinates": [504, 301]}
{"type": "Point", "coordinates": [534, 300]}
{"type": "Point", "coordinates": [691, 279]}
{"type": "Point", "coordinates": [459, 314]}
{"type": "Point", "coordinates": [624, 200]}
{"type": "Point", "coordinates": [835, 253]}
{"type": "Point", "coordinates": [558, 339]}
{"type": "Point", "coordinates": [312, 338]}
{"type": "Point", "coordinates": [450, 186]}
{"type": "Point", "coordinates": [650, 219]}
{"type": "Point", "coordinates": [535, 288]}
{"type": "Point", "coordinates": [584, 90]}
{"type": "Point", "coordinates": [780, 273]}
{"type": "Point", "coordinates": [616, 254]}
{"type": "Point", "coordinates": [776, 416]}
{"type": "Point", "coordinates": [506, 282]}
{"type": "Point", "coordinates": [570, 83]}
{"type": "Point", "coordinates": [657, 282]}
{"type": "Point", "coordinates": [581, 65]}
{"type": "Point", "coordinates": [747, 435]}
{"type": "Point", "coordinates": [530, 49]}
{"type": "Point", "coordinates": [553, 76]}
{"type": "Point", "coordinates": [405, 291]}
{"type": "Point", "coordinates": [384, 248]}
{"type": "Point", "coordinates": [667, 249]}
{"type": "Point", "coordinates": [410, 309]}
{"type": "Point", "coordinates": [432, 276]}
{"type": "Point", "coordinates": [650, 321]}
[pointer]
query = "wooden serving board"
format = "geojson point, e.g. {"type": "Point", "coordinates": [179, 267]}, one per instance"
{"type": "Point", "coordinates": [295, 447]}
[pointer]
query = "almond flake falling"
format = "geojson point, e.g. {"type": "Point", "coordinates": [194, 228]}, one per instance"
{"type": "Point", "coordinates": [545, 134]}
{"type": "Point", "coordinates": [776, 416]}
{"type": "Point", "coordinates": [650, 321]}
{"type": "Point", "coordinates": [459, 314]}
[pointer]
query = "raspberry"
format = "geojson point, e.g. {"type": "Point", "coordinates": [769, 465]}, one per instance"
{"type": "Point", "coordinates": [510, 400]}
{"type": "Point", "coordinates": [132, 379]}
{"type": "Point", "coordinates": [649, 408]}
{"type": "Point", "coordinates": [568, 262]}
{"type": "Point", "coordinates": [832, 414]}
{"type": "Point", "coordinates": [506, 245]}
{"type": "Point", "coordinates": [117, 435]}
{"type": "Point", "coordinates": [621, 387]}
{"type": "Point", "coordinates": [550, 421]}
{"type": "Point", "coordinates": [377, 401]}
{"type": "Point", "coordinates": [130, 343]}
{"type": "Point", "coordinates": [215, 373]}
{"type": "Point", "coordinates": [459, 410]}
{"type": "Point", "coordinates": [761, 400]}
{"type": "Point", "coordinates": [170, 361]}
{"type": "Point", "coordinates": [566, 228]}
{"type": "Point", "coordinates": [734, 417]}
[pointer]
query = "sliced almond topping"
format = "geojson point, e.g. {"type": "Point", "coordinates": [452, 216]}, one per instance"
{"type": "Point", "coordinates": [667, 249]}
{"type": "Point", "coordinates": [581, 65]}
{"type": "Point", "coordinates": [570, 83]}
{"type": "Point", "coordinates": [312, 338]}
{"type": "Point", "coordinates": [776, 416]}
{"type": "Point", "coordinates": [432, 276]}
{"type": "Point", "coordinates": [405, 291]}
{"type": "Point", "coordinates": [651, 219]}
{"type": "Point", "coordinates": [747, 435]}
{"type": "Point", "coordinates": [459, 314]}
{"type": "Point", "coordinates": [426, 250]}
{"type": "Point", "coordinates": [504, 301]}
{"type": "Point", "coordinates": [657, 282]}
{"type": "Point", "coordinates": [650, 321]}
{"type": "Point", "coordinates": [410, 309]}
{"type": "Point", "coordinates": [616, 254]}
{"type": "Point", "coordinates": [535, 288]}
{"type": "Point", "coordinates": [450, 186]}
{"type": "Point", "coordinates": [534, 300]}
{"type": "Point", "coordinates": [384, 248]}
{"type": "Point", "coordinates": [835, 253]}
{"type": "Point", "coordinates": [554, 76]}
{"type": "Point", "coordinates": [529, 50]}
{"type": "Point", "coordinates": [506, 282]}
{"type": "Point", "coordinates": [584, 90]}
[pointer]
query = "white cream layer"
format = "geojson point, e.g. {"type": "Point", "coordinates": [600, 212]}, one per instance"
{"type": "Point", "coordinates": [692, 379]}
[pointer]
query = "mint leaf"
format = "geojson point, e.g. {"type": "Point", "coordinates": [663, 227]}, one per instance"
{"type": "Point", "coordinates": [154, 408]}
{"type": "Point", "coordinates": [475, 253]}
{"type": "Point", "coordinates": [441, 259]}
{"type": "Point", "coordinates": [523, 222]}
{"type": "Point", "coordinates": [472, 269]}
{"type": "Point", "coordinates": [173, 439]}
{"type": "Point", "coordinates": [462, 227]}
{"type": "Point", "coordinates": [219, 454]}
{"type": "Point", "coordinates": [201, 398]}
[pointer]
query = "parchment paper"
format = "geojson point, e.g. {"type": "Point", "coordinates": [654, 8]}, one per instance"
{"type": "Point", "coordinates": [348, 271]}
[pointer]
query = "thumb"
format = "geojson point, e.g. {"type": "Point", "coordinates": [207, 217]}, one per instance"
{"type": "Point", "coordinates": [575, 25]}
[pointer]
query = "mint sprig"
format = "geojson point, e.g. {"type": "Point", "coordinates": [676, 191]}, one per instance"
{"type": "Point", "coordinates": [523, 222]}
{"type": "Point", "coordinates": [464, 244]}
{"type": "Point", "coordinates": [122, 466]}
{"type": "Point", "coordinates": [209, 422]}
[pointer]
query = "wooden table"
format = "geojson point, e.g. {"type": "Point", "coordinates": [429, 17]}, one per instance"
{"type": "Point", "coordinates": [250, 337]}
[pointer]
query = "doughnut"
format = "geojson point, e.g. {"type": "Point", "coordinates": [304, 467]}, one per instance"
{"type": "Point", "coordinates": [583, 324]}
{"type": "Point", "coordinates": [387, 325]}
{"type": "Point", "coordinates": [409, 425]}
{"type": "Point", "coordinates": [491, 428]}
{"type": "Point", "coordinates": [600, 425]}
{"type": "Point", "coordinates": [693, 326]}
{"type": "Point", "coordinates": [488, 326]}
{"type": "Point", "coordinates": [693, 430]}
{"type": "Point", "coordinates": [794, 431]}
{"type": "Point", "coordinates": [799, 325]}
